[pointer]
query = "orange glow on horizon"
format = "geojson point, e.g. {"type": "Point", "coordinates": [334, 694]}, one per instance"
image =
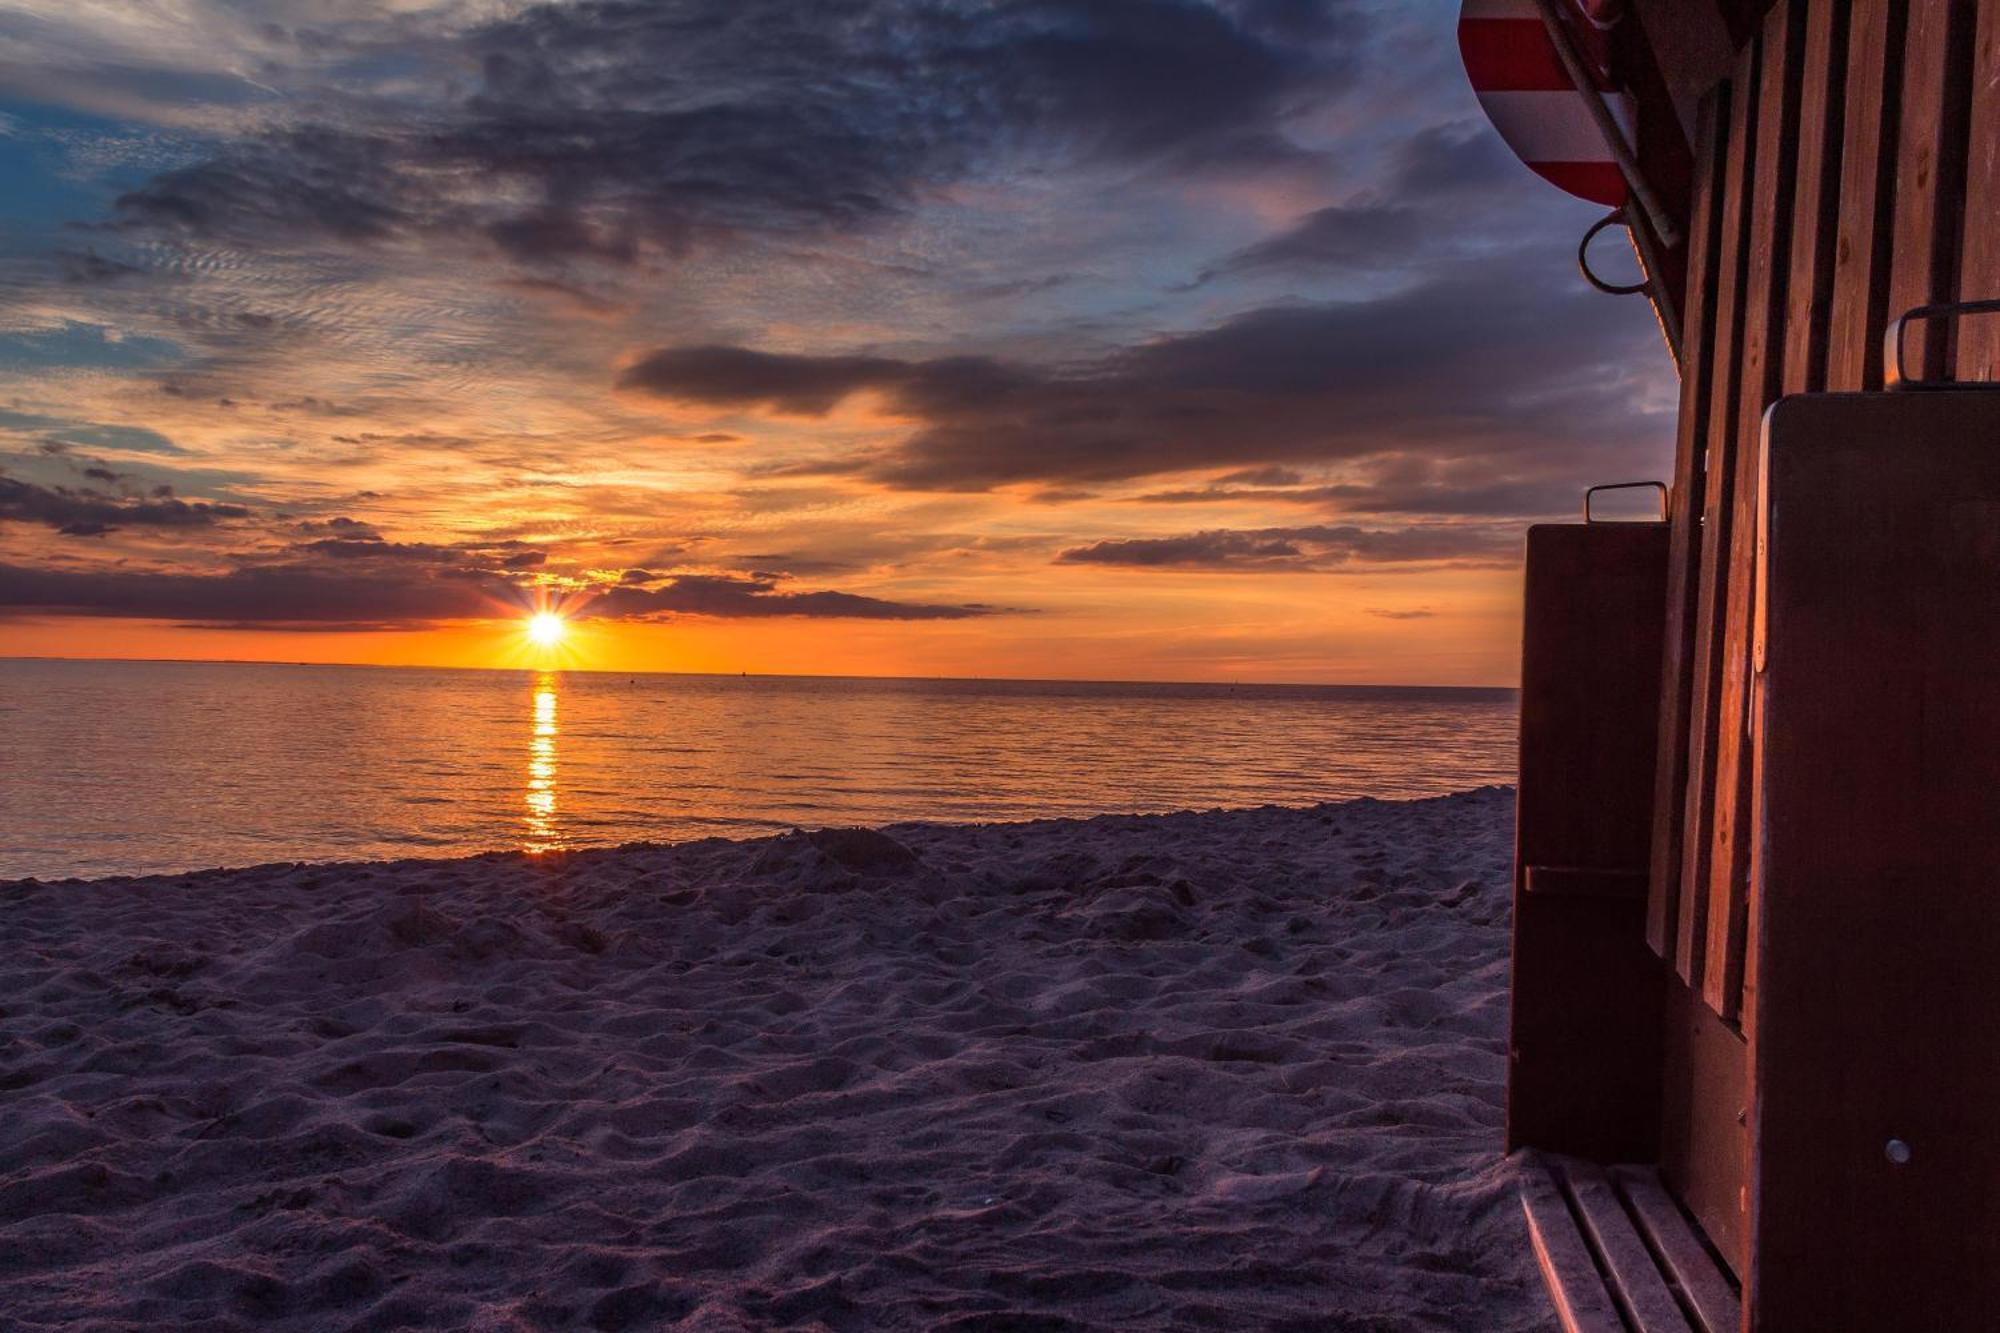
{"type": "Point", "coordinates": [1461, 629]}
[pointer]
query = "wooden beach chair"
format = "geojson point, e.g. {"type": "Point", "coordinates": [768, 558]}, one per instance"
{"type": "Point", "coordinates": [1755, 1042]}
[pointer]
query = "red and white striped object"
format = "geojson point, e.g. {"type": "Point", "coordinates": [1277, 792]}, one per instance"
{"type": "Point", "coordinates": [1527, 93]}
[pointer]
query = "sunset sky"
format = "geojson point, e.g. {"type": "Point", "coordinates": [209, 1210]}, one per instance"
{"type": "Point", "coordinates": [1147, 340]}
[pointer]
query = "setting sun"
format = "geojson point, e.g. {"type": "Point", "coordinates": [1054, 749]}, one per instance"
{"type": "Point", "coordinates": [546, 628]}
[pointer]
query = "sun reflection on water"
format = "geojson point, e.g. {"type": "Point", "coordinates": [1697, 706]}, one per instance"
{"type": "Point", "coordinates": [541, 834]}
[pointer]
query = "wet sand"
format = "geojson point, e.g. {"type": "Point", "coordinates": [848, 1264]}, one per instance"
{"type": "Point", "coordinates": [1221, 1070]}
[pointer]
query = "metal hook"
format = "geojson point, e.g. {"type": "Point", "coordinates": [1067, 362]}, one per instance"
{"type": "Point", "coordinates": [1615, 217]}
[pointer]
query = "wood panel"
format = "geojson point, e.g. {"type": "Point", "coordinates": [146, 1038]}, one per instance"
{"type": "Point", "coordinates": [1762, 358]}
{"type": "Point", "coordinates": [1875, 1065]}
{"type": "Point", "coordinates": [1978, 346]}
{"type": "Point", "coordinates": [1704, 659]}
{"type": "Point", "coordinates": [1684, 546]}
{"type": "Point", "coordinates": [1816, 197]}
{"type": "Point", "coordinates": [1704, 1121]}
{"type": "Point", "coordinates": [1584, 1029]}
{"type": "Point", "coordinates": [1930, 174]}
{"type": "Point", "coordinates": [1867, 171]}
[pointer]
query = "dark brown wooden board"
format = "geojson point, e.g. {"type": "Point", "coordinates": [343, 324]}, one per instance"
{"type": "Point", "coordinates": [1718, 465]}
{"type": "Point", "coordinates": [1930, 173]}
{"type": "Point", "coordinates": [1616, 1252]}
{"type": "Point", "coordinates": [1582, 1305]}
{"type": "Point", "coordinates": [1815, 197]}
{"type": "Point", "coordinates": [1584, 1031]}
{"type": "Point", "coordinates": [1704, 1120]}
{"type": "Point", "coordinates": [1684, 545]}
{"type": "Point", "coordinates": [1762, 348]}
{"type": "Point", "coordinates": [1879, 951]}
{"type": "Point", "coordinates": [1633, 1278]}
{"type": "Point", "coordinates": [1978, 342]}
{"type": "Point", "coordinates": [1692, 44]}
{"type": "Point", "coordinates": [1712, 1303]}
{"type": "Point", "coordinates": [1867, 171]}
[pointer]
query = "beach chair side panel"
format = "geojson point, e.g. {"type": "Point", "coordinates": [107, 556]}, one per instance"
{"type": "Point", "coordinates": [1584, 1073]}
{"type": "Point", "coordinates": [1876, 1067]}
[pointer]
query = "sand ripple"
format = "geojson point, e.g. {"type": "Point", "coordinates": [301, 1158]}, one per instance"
{"type": "Point", "coordinates": [1235, 1070]}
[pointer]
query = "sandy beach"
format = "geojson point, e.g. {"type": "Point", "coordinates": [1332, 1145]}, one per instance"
{"type": "Point", "coordinates": [1220, 1070]}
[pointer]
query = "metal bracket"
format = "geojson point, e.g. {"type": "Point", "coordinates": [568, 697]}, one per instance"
{"type": "Point", "coordinates": [1896, 376]}
{"type": "Point", "coordinates": [1592, 493]}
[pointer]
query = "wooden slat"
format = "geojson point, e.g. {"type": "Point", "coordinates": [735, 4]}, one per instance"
{"type": "Point", "coordinates": [1820, 120]}
{"type": "Point", "coordinates": [1684, 545]}
{"type": "Point", "coordinates": [1770, 219]}
{"type": "Point", "coordinates": [1635, 1280]}
{"type": "Point", "coordinates": [1705, 659]}
{"type": "Point", "coordinates": [1978, 351]}
{"type": "Point", "coordinates": [1815, 197]}
{"type": "Point", "coordinates": [1585, 882]}
{"type": "Point", "coordinates": [1582, 1304]}
{"type": "Point", "coordinates": [1867, 170]}
{"type": "Point", "coordinates": [1712, 1301]}
{"type": "Point", "coordinates": [1930, 173]}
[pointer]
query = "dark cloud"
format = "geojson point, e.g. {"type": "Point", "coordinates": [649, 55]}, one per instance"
{"type": "Point", "coordinates": [1261, 476]}
{"type": "Point", "coordinates": [739, 377]}
{"type": "Point", "coordinates": [375, 548]}
{"type": "Point", "coordinates": [255, 595]}
{"type": "Point", "coordinates": [340, 525]}
{"type": "Point", "coordinates": [329, 592]}
{"type": "Point", "coordinates": [1318, 548]}
{"type": "Point", "coordinates": [56, 434]}
{"type": "Point", "coordinates": [1414, 613]}
{"type": "Point", "coordinates": [723, 595]}
{"type": "Point", "coordinates": [357, 542]}
{"type": "Point", "coordinates": [1453, 161]}
{"type": "Point", "coordinates": [1358, 237]}
{"type": "Point", "coordinates": [1417, 212]}
{"type": "Point", "coordinates": [597, 129]}
{"type": "Point", "coordinates": [85, 267]}
{"type": "Point", "coordinates": [88, 513]}
{"type": "Point", "coordinates": [1471, 362]}
{"type": "Point", "coordinates": [1460, 490]}
{"type": "Point", "coordinates": [315, 181]}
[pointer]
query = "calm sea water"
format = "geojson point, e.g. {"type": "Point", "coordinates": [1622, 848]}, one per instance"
{"type": "Point", "coordinates": [132, 767]}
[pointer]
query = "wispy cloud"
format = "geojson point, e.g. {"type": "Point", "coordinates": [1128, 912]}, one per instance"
{"type": "Point", "coordinates": [1319, 549]}
{"type": "Point", "coordinates": [912, 312]}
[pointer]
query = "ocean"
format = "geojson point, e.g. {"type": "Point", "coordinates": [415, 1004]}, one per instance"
{"type": "Point", "coordinates": [120, 768]}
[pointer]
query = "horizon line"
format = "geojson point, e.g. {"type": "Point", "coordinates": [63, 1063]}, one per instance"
{"type": "Point", "coordinates": [765, 675]}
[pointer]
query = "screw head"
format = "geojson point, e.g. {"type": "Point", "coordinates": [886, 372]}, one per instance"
{"type": "Point", "coordinates": [1897, 1152]}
